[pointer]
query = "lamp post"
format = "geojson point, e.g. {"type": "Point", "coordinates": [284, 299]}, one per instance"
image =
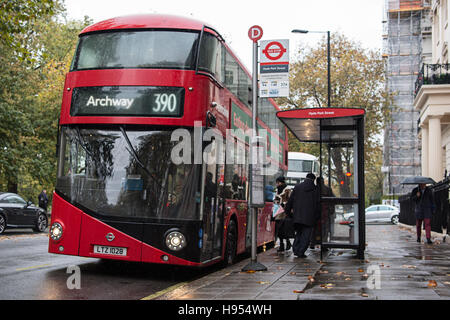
{"type": "Point", "coordinates": [328, 58]}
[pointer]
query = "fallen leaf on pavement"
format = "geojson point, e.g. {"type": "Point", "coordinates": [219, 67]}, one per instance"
{"type": "Point", "coordinates": [299, 291]}
{"type": "Point", "coordinates": [408, 266]}
{"type": "Point", "coordinates": [360, 270]}
{"type": "Point", "coordinates": [432, 284]}
{"type": "Point", "coordinates": [348, 279]}
{"type": "Point", "coordinates": [327, 286]}
{"type": "Point", "coordinates": [263, 282]}
{"type": "Point", "coordinates": [364, 295]}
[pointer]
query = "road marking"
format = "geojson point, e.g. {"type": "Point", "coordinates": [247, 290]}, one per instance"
{"type": "Point", "coordinates": [160, 293]}
{"type": "Point", "coordinates": [33, 267]}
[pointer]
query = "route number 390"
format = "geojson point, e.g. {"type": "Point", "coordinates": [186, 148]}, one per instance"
{"type": "Point", "coordinates": [165, 102]}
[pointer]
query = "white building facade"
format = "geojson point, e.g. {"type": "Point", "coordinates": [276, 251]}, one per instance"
{"type": "Point", "coordinates": [432, 98]}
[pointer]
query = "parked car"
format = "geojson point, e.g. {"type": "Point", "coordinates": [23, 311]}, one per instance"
{"type": "Point", "coordinates": [378, 213]}
{"type": "Point", "coordinates": [16, 212]}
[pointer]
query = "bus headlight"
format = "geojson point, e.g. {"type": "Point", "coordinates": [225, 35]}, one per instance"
{"type": "Point", "coordinates": [56, 231]}
{"type": "Point", "coordinates": [175, 240]}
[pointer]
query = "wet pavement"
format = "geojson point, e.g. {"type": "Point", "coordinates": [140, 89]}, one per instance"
{"type": "Point", "coordinates": [395, 267]}
{"type": "Point", "coordinates": [29, 272]}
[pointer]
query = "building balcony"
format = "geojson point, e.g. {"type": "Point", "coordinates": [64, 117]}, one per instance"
{"type": "Point", "coordinates": [434, 74]}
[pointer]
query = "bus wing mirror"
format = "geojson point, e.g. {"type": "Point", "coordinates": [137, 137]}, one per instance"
{"type": "Point", "coordinates": [211, 120]}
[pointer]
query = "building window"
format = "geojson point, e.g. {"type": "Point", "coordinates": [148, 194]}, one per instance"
{"type": "Point", "coordinates": [436, 31]}
{"type": "Point", "coordinates": [445, 12]}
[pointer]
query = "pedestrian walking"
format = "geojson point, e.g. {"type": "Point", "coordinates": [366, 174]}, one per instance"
{"type": "Point", "coordinates": [425, 206]}
{"type": "Point", "coordinates": [304, 202]}
{"type": "Point", "coordinates": [281, 228]}
{"type": "Point", "coordinates": [43, 199]}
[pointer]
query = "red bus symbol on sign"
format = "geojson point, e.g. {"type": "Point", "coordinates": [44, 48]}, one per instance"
{"type": "Point", "coordinates": [274, 50]}
{"type": "Point", "coordinates": [255, 33]}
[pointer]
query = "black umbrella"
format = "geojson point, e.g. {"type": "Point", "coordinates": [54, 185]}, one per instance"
{"type": "Point", "coordinates": [418, 180]}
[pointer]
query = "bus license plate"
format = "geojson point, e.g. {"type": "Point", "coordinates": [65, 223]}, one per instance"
{"type": "Point", "coordinates": [114, 251]}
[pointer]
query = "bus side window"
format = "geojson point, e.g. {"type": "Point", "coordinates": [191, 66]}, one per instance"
{"type": "Point", "coordinates": [210, 56]}
{"type": "Point", "coordinates": [236, 182]}
{"type": "Point", "coordinates": [231, 74]}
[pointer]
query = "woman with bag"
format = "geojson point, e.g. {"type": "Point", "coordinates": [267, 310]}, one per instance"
{"type": "Point", "coordinates": [281, 198]}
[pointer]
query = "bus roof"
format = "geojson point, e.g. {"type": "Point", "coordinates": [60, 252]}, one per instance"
{"type": "Point", "coordinates": [301, 156]}
{"type": "Point", "coordinates": [145, 21]}
{"type": "Point", "coordinates": [161, 21]}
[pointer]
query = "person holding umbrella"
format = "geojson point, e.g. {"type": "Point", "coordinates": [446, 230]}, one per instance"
{"type": "Point", "coordinates": [423, 198]}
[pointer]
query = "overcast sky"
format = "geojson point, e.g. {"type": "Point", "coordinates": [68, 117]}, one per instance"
{"type": "Point", "coordinates": [359, 20]}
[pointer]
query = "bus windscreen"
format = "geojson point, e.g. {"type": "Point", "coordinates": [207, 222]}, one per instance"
{"type": "Point", "coordinates": [126, 174]}
{"type": "Point", "coordinates": [137, 49]}
{"type": "Point", "coordinates": [300, 165]}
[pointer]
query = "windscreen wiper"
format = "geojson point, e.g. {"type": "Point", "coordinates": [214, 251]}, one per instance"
{"type": "Point", "coordinates": [135, 156]}
{"type": "Point", "coordinates": [82, 143]}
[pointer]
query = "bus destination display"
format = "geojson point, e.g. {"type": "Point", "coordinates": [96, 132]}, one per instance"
{"type": "Point", "coordinates": [127, 101]}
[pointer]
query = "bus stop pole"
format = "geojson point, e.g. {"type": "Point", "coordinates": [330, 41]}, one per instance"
{"type": "Point", "coordinates": [254, 265]}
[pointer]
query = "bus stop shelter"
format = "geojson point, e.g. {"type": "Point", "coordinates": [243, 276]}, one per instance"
{"type": "Point", "coordinates": [339, 133]}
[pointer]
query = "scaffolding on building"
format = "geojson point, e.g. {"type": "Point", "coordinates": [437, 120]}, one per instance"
{"type": "Point", "coordinates": [406, 27]}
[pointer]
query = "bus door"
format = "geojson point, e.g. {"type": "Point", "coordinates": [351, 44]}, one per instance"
{"type": "Point", "coordinates": [213, 203]}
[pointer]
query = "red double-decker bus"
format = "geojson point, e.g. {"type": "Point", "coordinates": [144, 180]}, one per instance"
{"type": "Point", "coordinates": [142, 90]}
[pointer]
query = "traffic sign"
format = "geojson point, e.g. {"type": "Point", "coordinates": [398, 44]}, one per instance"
{"type": "Point", "coordinates": [255, 33]}
{"type": "Point", "coordinates": [274, 68]}
{"type": "Point", "coordinates": [274, 50]}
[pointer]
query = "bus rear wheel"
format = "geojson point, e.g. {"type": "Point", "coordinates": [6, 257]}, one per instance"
{"type": "Point", "coordinates": [231, 244]}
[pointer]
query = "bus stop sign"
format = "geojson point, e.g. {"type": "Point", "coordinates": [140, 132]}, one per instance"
{"type": "Point", "coordinates": [255, 33]}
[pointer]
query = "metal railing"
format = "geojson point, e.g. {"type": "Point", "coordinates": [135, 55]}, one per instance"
{"type": "Point", "coordinates": [432, 74]}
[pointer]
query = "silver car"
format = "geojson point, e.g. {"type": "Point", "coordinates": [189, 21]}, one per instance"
{"type": "Point", "coordinates": [379, 213]}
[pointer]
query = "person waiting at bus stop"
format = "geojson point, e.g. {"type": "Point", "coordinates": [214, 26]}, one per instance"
{"type": "Point", "coordinates": [304, 202]}
{"type": "Point", "coordinates": [425, 206]}
{"type": "Point", "coordinates": [281, 227]}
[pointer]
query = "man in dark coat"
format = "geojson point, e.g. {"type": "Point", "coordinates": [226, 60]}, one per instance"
{"type": "Point", "coordinates": [43, 199]}
{"type": "Point", "coordinates": [423, 198]}
{"type": "Point", "coordinates": [304, 201]}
